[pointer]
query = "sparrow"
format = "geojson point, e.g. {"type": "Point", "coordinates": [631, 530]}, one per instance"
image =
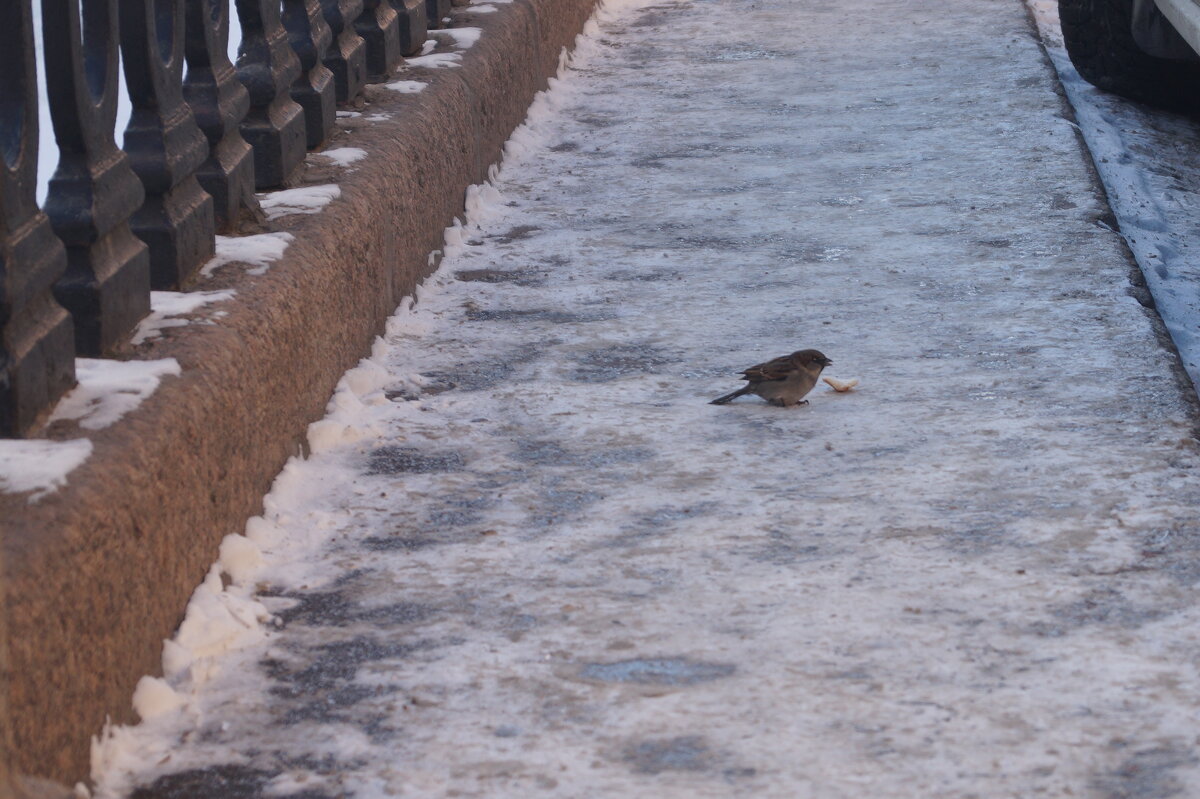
{"type": "Point", "coordinates": [782, 381]}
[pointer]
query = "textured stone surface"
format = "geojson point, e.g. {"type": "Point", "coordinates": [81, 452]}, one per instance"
{"type": "Point", "coordinates": [97, 573]}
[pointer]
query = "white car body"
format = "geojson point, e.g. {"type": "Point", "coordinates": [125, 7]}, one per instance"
{"type": "Point", "coordinates": [1158, 39]}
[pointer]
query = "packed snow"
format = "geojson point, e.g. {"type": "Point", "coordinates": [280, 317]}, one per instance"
{"type": "Point", "coordinates": [173, 308]}
{"type": "Point", "coordinates": [258, 251]}
{"type": "Point", "coordinates": [344, 156]}
{"type": "Point", "coordinates": [526, 555]}
{"type": "Point", "coordinates": [1150, 165]}
{"type": "Point", "coordinates": [304, 200]}
{"type": "Point", "coordinates": [407, 86]}
{"type": "Point", "coordinates": [463, 38]}
{"type": "Point", "coordinates": [108, 390]}
{"type": "Point", "coordinates": [436, 60]}
{"type": "Point", "coordinates": [38, 466]}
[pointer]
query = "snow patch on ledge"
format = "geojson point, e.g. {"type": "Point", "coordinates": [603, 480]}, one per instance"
{"type": "Point", "coordinates": [39, 466]}
{"type": "Point", "coordinates": [406, 86]}
{"type": "Point", "coordinates": [304, 200]}
{"type": "Point", "coordinates": [344, 156]}
{"type": "Point", "coordinates": [108, 390]}
{"type": "Point", "coordinates": [463, 37]}
{"type": "Point", "coordinates": [169, 307]}
{"type": "Point", "coordinates": [437, 60]}
{"type": "Point", "coordinates": [258, 251]}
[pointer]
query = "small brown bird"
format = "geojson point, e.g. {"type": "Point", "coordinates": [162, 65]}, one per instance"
{"type": "Point", "coordinates": [782, 381]}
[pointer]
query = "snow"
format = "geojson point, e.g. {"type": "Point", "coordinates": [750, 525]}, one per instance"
{"type": "Point", "coordinates": [436, 60]}
{"type": "Point", "coordinates": [258, 250]}
{"type": "Point", "coordinates": [406, 86]}
{"type": "Point", "coordinates": [39, 466]}
{"type": "Point", "coordinates": [1151, 173]}
{"type": "Point", "coordinates": [167, 309]}
{"type": "Point", "coordinates": [344, 156]}
{"type": "Point", "coordinates": [525, 555]}
{"type": "Point", "coordinates": [108, 390]}
{"type": "Point", "coordinates": [153, 697]}
{"type": "Point", "coordinates": [304, 200]}
{"type": "Point", "coordinates": [463, 38]}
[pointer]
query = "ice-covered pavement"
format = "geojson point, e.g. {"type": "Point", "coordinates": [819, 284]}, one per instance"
{"type": "Point", "coordinates": [526, 557]}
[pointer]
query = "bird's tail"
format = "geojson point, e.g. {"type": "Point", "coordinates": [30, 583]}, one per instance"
{"type": "Point", "coordinates": [731, 396]}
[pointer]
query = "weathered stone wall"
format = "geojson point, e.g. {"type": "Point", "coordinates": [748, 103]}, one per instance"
{"type": "Point", "coordinates": [98, 573]}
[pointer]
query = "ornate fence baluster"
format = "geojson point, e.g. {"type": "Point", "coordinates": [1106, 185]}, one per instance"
{"type": "Point", "coordinates": [436, 11]}
{"type": "Point", "coordinates": [311, 37]}
{"type": "Point", "coordinates": [267, 67]}
{"type": "Point", "coordinates": [165, 144]}
{"type": "Point", "coordinates": [94, 190]}
{"type": "Point", "coordinates": [380, 29]}
{"type": "Point", "coordinates": [413, 25]}
{"type": "Point", "coordinates": [348, 56]}
{"type": "Point", "coordinates": [220, 103]}
{"type": "Point", "coordinates": [37, 350]}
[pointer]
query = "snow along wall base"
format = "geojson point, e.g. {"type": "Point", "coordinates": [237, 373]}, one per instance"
{"type": "Point", "coordinates": [97, 572]}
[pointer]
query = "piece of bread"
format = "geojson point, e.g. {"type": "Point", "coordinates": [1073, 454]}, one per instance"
{"type": "Point", "coordinates": [841, 386]}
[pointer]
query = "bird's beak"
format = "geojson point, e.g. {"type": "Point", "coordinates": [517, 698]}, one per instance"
{"type": "Point", "coordinates": [826, 362]}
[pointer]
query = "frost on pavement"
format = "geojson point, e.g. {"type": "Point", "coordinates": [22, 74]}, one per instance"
{"type": "Point", "coordinates": [526, 556]}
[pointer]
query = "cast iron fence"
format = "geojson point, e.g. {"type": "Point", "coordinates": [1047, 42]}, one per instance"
{"type": "Point", "coordinates": [76, 274]}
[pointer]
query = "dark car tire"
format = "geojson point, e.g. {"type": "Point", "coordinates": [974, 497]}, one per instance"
{"type": "Point", "coordinates": [1099, 40]}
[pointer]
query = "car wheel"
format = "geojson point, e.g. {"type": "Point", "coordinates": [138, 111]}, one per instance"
{"type": "Point", "coordinates": [1099, 38]}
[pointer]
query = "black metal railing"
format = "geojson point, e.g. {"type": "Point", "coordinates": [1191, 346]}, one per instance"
{"type": "Point", "coordinates": [76, 274]}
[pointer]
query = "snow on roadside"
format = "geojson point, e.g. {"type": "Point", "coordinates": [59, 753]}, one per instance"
{"type": "Point", "coordinates": [1150, 166]}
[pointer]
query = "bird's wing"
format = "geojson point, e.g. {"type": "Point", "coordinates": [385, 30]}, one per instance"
{"type": "Point", "coordinates": [774, 369]}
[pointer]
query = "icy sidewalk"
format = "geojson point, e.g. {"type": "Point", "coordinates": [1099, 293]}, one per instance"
{"type": "Point", "coordinates": [527, 557]}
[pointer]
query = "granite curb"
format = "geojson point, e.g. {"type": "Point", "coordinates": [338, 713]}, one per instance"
{"type": "Point", "coordinates": [98, 573]}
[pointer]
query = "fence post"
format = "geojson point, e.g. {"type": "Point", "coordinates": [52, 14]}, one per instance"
{"type": "Point", "coordinates": [435, 12]}
{"type": "Point", "coordinates": [267, 67]}
{"type": "Point", "coordinates": [94, 191]}
{"type": "Point", "coordinates": [413, 25]}
{"type": "Point", "coordinates": [37, 348]}
{"type": "Point", "coordinates": [220, 103]}
{"type": "Point", "coordinates": [348, 56]}
{"type": "Point", "coordinates": [164, 144]}
{"type": "Point", "coordinates": [314, 90]}
{"type": "Point", "coordinates": [380, 29]}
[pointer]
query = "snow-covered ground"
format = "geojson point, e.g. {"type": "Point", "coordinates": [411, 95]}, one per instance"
{"type": "Point", "coordinates": [526, 556]}
{"type": "Point", "coordinates": [1149, 161]}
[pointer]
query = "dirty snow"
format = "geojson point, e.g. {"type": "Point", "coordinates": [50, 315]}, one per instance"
{"type": "Point", "coordinates": [108, 389]}
{"type": "Point", "coordinates": [258, 250]}
{"type": "Point", "coordinates": [39, 466]}
{"type": "Point", "coordinates": [171, 308]}
{"type": "Point", "coordinates": [526, 556]}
